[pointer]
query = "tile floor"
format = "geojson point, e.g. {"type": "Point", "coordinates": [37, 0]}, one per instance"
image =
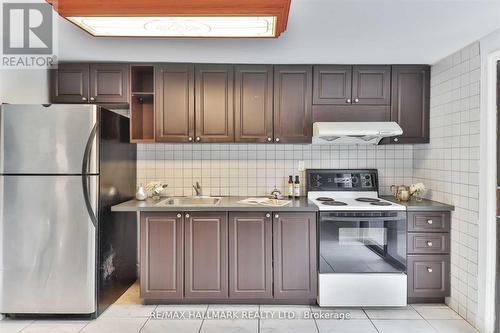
{"type": "Point", "coordinates": [128, 316]}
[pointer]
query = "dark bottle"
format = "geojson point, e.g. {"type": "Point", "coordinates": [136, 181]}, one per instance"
{"type": "Point", "coordinates": [296, 187]}
{"type": "Point", "coordinates": [290, 187]}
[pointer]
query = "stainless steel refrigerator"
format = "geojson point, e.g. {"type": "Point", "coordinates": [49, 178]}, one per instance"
{"type": "Point", "coordinates": [62, 167]}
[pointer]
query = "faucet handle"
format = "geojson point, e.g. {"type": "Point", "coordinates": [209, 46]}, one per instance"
{"type": "Point", "coordinates": [276, 194]}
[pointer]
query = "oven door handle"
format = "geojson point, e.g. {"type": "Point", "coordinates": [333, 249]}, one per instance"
{"type": "Point", "coordinates": [361, 218]}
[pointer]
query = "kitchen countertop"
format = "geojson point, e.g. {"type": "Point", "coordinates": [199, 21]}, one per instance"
{"type": "Point", "coordinates": [419, 206]}
{"type": "Point", "coordinates": [226, 204]}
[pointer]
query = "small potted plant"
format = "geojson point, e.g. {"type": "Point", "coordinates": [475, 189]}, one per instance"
{"type": "Point", "coordinates": [156, 189]}
{"type": "Point", "coordinates": [417, 190]}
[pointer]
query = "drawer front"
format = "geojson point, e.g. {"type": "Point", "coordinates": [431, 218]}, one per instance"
{"type": "Point", "coordinates": [429, 221]}
{"type": "Point", "coordinates": [428, 276]}
{"type": "Point", "coordinates": [422, 243]}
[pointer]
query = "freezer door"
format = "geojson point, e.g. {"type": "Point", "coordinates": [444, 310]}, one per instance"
{"type": "Point", "coordinates": [48, 245]}
{"type": "Point", "coordinates": [37, 139]}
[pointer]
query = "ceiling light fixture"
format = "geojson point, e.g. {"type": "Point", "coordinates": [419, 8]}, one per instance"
{"type": "Point", "coordinates": [185, 19]}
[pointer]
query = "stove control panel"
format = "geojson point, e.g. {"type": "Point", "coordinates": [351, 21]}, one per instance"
{"type": "Point", "coordinates": [342, 180]}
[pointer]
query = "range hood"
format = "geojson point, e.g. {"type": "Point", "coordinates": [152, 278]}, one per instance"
{"type": "Point", "coordinates": [354, 133]}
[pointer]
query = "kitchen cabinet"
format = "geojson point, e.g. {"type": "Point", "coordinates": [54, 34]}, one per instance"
{"type": "Point", "coordinates": [332, 84]}
{"type": "Point", "coordinates": [206, 256]}
{"type": "Point", "coordinates": [292, 104]}
{"type": "Point", "coordinates": [295, 255]}
{"type": "Point", "coordinates": [142, 103]}
{"type": "Point", "coordinates": [371, 85]}
{"type": "Point", "coordinates": [250, 255]}
{"type": "Point", "coordinates": [90, 83]}
{"type": "Point", "coordinates": [253, 103]}
{"type": "Point", "coordinates": [411, 103]}
{"type": "Point", "coordinates": [214, 109]}
{"type": "Point", "coordinates": [175, 103]}
{"type": "Point", "coordinates": [162, 255]}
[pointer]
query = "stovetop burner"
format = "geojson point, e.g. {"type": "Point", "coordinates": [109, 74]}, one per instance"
{"type": "Point", "coordinates": [367, 200]}
{"type": "Point", "coordinates": [325, 199]}
{"type": "Point", "coordinates": [334, 203]}
{"type": "Point", "coordinates": [381, 203]}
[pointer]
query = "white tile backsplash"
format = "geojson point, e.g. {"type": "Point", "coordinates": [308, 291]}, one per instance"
{"type": "Point", "coordinates": [255, 169]}
{"type": "Point", "coordinates": [449, 166]}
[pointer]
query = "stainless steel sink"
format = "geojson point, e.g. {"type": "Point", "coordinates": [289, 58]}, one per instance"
{"type": "Point", "coordinates": [191, 201]}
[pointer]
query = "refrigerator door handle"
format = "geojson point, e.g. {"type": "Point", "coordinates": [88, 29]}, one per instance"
{"type": "Point", "coordinates": [85, 176]}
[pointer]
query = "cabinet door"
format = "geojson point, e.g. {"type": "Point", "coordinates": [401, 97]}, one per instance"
{"type": "Point", "coordinates": [411, 102]}
{"type": "Point", "coordinates": [428, 276]}
{"type": "Point", "coordinates": [253, 108]}
{"type": "Point", "coordinates": [206, 274]}
{"type": "Point", "coordinates": [332, 84]}
{"type": "Point", "coordinates": [250, 255]}
{"type": "Point", "coordinates": [292, 104]}
{"type": "Point", "coordinates": [371, 85]}
{"type": "Point", "coordinates": [214, 107]}
{"type": "Point", "coordinates": [161, 253]}
{"type": "Point", "coordinates": [69, 84]}
{"type": "Point", "coordinates": [175, 103]}
{"type": "Point", "coordinates": [109, 83]}
{"type": "Point", "coordinates": [295, 273]}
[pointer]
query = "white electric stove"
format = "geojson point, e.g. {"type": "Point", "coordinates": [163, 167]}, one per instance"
{"type": "Point", "coordinates": [362, 240]}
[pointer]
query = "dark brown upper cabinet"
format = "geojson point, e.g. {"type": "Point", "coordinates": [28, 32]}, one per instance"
{"type": "Point", "coordinates": [206, 256]}
{"type": "Point", "coordinates": [175, 103]}
{"type": "Point", "coordinates": [411, 103]}
{"type": "Point", "coordinates": [332, 84]}
{"type": "Point", "coordinates": [250, 255]}
{"type": "Point", "coordinates": [70, 83]}
{"type": "Point", "coordinates": [90, 83]}
{"type": "Point", "coordinates": [253, 103]}
{"type": "Point", "coordinates": [162, 255]}
{"type": "Point", "coordinates": [371, 85]}
{"type": "Point", "coordinates": [214, 109]}
{"type": "Point", "coordinates": [292, 104]}
{"type": "Point", "coordinates": [295, 269]}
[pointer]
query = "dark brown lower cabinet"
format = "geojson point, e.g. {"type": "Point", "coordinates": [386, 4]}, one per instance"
{"type": "Point", "coordinates": [250, 255]}
{"type": "Point", "coordinates": [161, 255]}
{"type": "Point", "coordinates": [429, 276]}
{"type": "Point", "coordinates": [206, 256]}
{"type": "Point", "coordinates": [295, 273]}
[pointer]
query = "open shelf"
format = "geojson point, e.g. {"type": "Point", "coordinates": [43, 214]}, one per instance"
{"type": "Point", "coordinates": [142, 78]}
{"type": "Point", "coordinates": [142, 105]}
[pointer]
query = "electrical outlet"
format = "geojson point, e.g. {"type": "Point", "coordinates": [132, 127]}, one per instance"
{"type": "Point", "coordinates": [301, 167]}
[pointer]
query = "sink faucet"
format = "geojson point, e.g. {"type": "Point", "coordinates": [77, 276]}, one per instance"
{"type": "Point", "coordinates": [197, 189]}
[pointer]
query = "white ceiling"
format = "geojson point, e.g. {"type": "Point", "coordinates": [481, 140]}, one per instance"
{"type": "Point", "coordinates": [319, 31]}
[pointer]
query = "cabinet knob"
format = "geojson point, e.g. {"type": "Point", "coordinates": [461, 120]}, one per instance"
{"type": "Point", "coordinates": [198, 139]}
{"type": "Point", "coordinates": [269, 139]}
{"type": "Point", "coordinates": [277, 215]}
{"type": "Point", "coordinates": [84, 98]}
{"type": "Point", "coordinates": [429, 221]}
{"type": "Point", "coordinates": [179, 215]}
{"type": "Point", "coordinates": [429, 269]}
{"type": "Point", "coordinates": [429, 243]}
{"type": "Point", "coordinates": [187, 216]}
{"type": "Point", "coordinates": [268, 215]}
{"type": "Point", "coordinates": [356, 100]}
{"type": "Point", "coordinates": [190, 139]}
{"type": "Point", "coordinates": [277, 139]}
{"type": "Point", "coordinates": [348, 100]}
{"type": "Point", "coordinates": [396, 139]}
{"type": "Point", "coordinates": [92, 99]}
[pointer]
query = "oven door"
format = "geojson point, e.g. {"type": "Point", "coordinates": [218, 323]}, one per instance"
{"type": "Point", "coordinates": [362, 242]}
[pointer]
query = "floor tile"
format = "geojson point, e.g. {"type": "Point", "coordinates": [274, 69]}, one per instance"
{"type": "Point", "coordinates": [288, 326]}
{"type": "Point", "coordinates": [13, 326]}
{"type": "Point", "coordinates": [428, 312]}
{"type": "Point", "coordinates": [55, 326]}
{"type": "Point", "coordinates": [238, 311]}
{"type": "Point", "coordinates": [392, 313]}
{"type": "Point", "coordinates": [285, 311]}
{"type": "Point", "coordinates": [345, 326]}
{"type": "Point", "coordinates": [128, 311]}
{"type": "Point", "coordinates": [115, 325]}
{"type": "Point", "coordinates": [452, 326]}
{"type": "Point", "coordinates": [230, 326]}
{"type": "Point", "coordinates": [172, 326]}
{"type": "Point", "coordinates": [406, 326]}
{"type": "Point", "coordinates": [182, 307]}
{"type": "Point", "coordinates": [354, 313]}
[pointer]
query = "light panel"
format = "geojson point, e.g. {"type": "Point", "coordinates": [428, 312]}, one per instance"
{"type": "Point", "coordinates": [178, 26]}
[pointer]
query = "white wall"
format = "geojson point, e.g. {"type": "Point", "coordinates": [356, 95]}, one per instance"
{"type": "Point", "coordinates": [24, 86]}
{"type": "Point", "coordinates": [449, 166]}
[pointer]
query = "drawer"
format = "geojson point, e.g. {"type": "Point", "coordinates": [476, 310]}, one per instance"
{"type": "Point", "coordinates": [429, 221]}
{"type": "Point", "coordinates": [422, 243]}
{"type": "Point", "coordinates": [428, 276]}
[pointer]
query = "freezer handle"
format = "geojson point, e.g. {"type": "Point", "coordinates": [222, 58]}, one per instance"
{"type": "Point", "coordinates": [85, 176]}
